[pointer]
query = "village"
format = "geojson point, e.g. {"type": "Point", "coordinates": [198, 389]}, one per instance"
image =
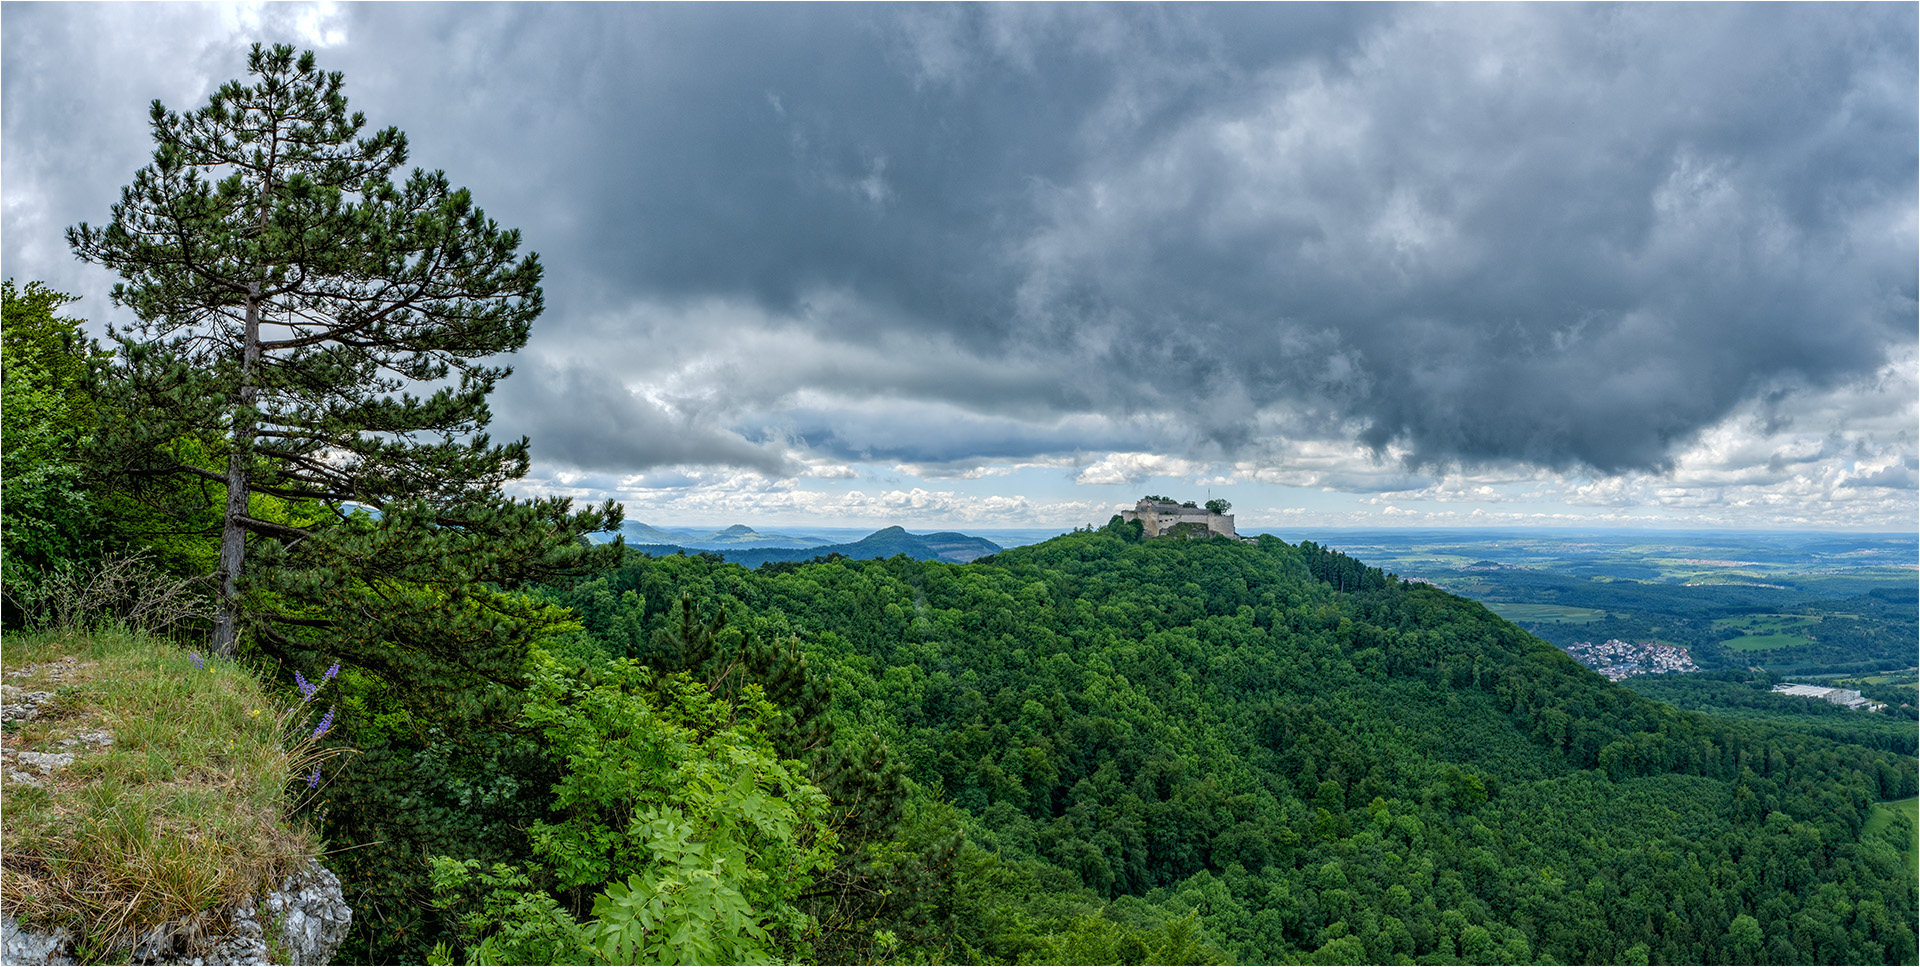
{"type": "Point", "coordinates": [1618, 659]}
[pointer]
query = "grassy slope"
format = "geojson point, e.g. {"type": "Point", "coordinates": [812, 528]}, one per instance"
{"type": "Point", "coordinates": [1883, 818]}
{"type": "Point", "coordinates": [183, 815]}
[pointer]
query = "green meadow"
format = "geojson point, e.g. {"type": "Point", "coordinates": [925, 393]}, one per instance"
{"type": "Point", "coordinates": [1765, 632]}
{"type": "Point", "coordinates": [1882, 817]}
{"type": "Point", "coordinates": [1528, 613]}
{"type": "Point", "coordinates": [1763, 642]}
{"type": "Point", "coordinates": [1769, 623]}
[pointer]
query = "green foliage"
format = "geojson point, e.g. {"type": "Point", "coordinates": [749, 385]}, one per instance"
{"type": "Point", "coordinates": [461, 780]}
{"type": "Point", "coordinates": [892, 855]}
{"type": "Point", "coordinates": [1219, 506]}
{"type": "Point", "coordinates": [1130, 531]}
{"type": "Point", "coordinates": [424, 605]}
{"type": "Point", "coordinates": [1312, 758]}
{"type": "Point", "coordinates": [1188, 530]}
{"type": "Point", "coordinates": [695, 841]}
{"type": "Point", "coordinates": [687, 912]}
{"type": "Point", "coordinates": [502, 918]}
{"type": "Point", "coordinates": [442, 764]}
{"type": "Point", "coordinates": [1095, 939]}
{"type": "Point", "coordinates": [643, 756]}
{"type": "Point", "coordinates": [35, 340]}
{"type": "Point", "coordinates": [46, 420]}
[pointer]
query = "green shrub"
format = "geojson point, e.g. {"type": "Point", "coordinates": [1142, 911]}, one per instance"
{"type": "Point", "coordinates": [694, 841]}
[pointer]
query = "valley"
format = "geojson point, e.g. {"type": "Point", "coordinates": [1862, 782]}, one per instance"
{"type": "Point", "coordinates": [1791, 603]}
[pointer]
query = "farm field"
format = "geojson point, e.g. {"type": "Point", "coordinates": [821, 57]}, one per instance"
{"type": "Point", "coordinates": [1903, 678]}
{"type": "Point", "coordinates": [1763, 642]}
{"type": "Point", "coordinates": [1771, 623]}
{"type": "Point", "coordinates": [1794, 602]}
{"type": "Point", "coordinates": [1523, 613]}
{"type": "Point", "coordinates": [1767, 632]}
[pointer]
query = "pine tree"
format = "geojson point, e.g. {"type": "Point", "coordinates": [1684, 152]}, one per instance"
{"type": "Point", "coordinates": [289, 295]}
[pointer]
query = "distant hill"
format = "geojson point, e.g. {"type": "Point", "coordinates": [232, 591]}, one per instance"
{"type": "Point", "coordinates": [950, 546]}
{"type": "Point", "coordinates": [944, 546]}
{"type": "Point", "coordinates": [740, 535]}
{"type": "Point", "coordinates": [737, 536]}
{"type": "Point", "coordinates": [637, 533]}
{"type": "Point", "coordinates": [958, 547]}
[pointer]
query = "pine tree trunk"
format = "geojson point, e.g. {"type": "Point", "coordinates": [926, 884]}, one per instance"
{"type": "Point", "coordinates": [233, 536]}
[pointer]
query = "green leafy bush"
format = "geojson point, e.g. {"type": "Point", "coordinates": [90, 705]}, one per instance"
{"type": "Point", "coordinates": [693, 839]}
{"type": "Point", "coordinates": [46, 419]}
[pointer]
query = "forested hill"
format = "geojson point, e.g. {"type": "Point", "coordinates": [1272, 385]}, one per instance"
{"type": "Point", "coordinates": [944, 546]}
{"type": "Point", "coordinates": [1264, 752]}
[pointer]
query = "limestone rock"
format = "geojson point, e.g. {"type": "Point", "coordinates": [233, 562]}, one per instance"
{"type": "Point", "coordinates": [95, 737]}
{"type": "Point", "coordinates": [312, 915]}
{"type": "Point", "coordinates": [45, 763]}
{"type": "Point", "coordinates": [308, 918]}
{"type": "Point", "coordinates": [19, 946]}
{"type": "Point", "coordinates": [19, 705]}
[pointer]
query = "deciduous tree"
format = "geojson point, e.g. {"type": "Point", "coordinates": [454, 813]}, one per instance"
{"type": "Point", "coordinates": [47, 416]}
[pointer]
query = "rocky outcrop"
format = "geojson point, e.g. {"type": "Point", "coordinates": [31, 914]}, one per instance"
{"type": "Point", "coordinates": [303, 922]}
{"type": "Point", "coordinates": [20, 705]}
{"type": "Point", "coordinates": [19, 946]}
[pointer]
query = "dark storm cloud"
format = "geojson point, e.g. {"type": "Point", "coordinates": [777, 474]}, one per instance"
{"type": "Point", "coordinates": [583, 419]}
{"type": "Point", "coordinates": [895, 433]}
{"type": "Point", "coordinates": [1559, 235]}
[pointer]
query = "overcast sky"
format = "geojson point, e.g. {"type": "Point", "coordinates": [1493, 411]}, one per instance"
{"type": "Point", "coordinates": [1014, 265]}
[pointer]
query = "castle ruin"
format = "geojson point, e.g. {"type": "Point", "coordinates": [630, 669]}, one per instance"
{"type": "Point", "coordinates": [1160, 518]}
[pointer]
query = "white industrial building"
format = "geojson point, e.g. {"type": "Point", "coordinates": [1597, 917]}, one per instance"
{"type": "Point", "coordinates": [1838, 696]}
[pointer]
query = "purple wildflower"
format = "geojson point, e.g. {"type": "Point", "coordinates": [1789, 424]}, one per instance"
{"type": "Point", "coordinates": [194, 657]}
{"type": "Point", "coordinates": [332, 671]}
{"type": "Point", "coordinates": [325, 723]}
{"type": "Point", "coordinates": [313, 781]}
{"type": "Point", "coordinates": [306, 688]}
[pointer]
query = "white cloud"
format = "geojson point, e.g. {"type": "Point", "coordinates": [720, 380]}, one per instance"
{"type": "Point", "coordinates": [1126, 468]}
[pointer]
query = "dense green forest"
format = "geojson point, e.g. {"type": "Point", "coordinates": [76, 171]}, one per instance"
{"type": "Point", "coordinates": [1100, 749]}
{"type": "Point", "coordinates": [1207, 747]}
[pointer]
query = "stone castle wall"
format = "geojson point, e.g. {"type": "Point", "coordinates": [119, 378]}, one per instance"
{"type": "Point", "coordinates": [1158, 517]}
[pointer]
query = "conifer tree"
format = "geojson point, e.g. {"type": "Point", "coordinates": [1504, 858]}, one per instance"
{"type": "Point", "coordinates": [292, 299]}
